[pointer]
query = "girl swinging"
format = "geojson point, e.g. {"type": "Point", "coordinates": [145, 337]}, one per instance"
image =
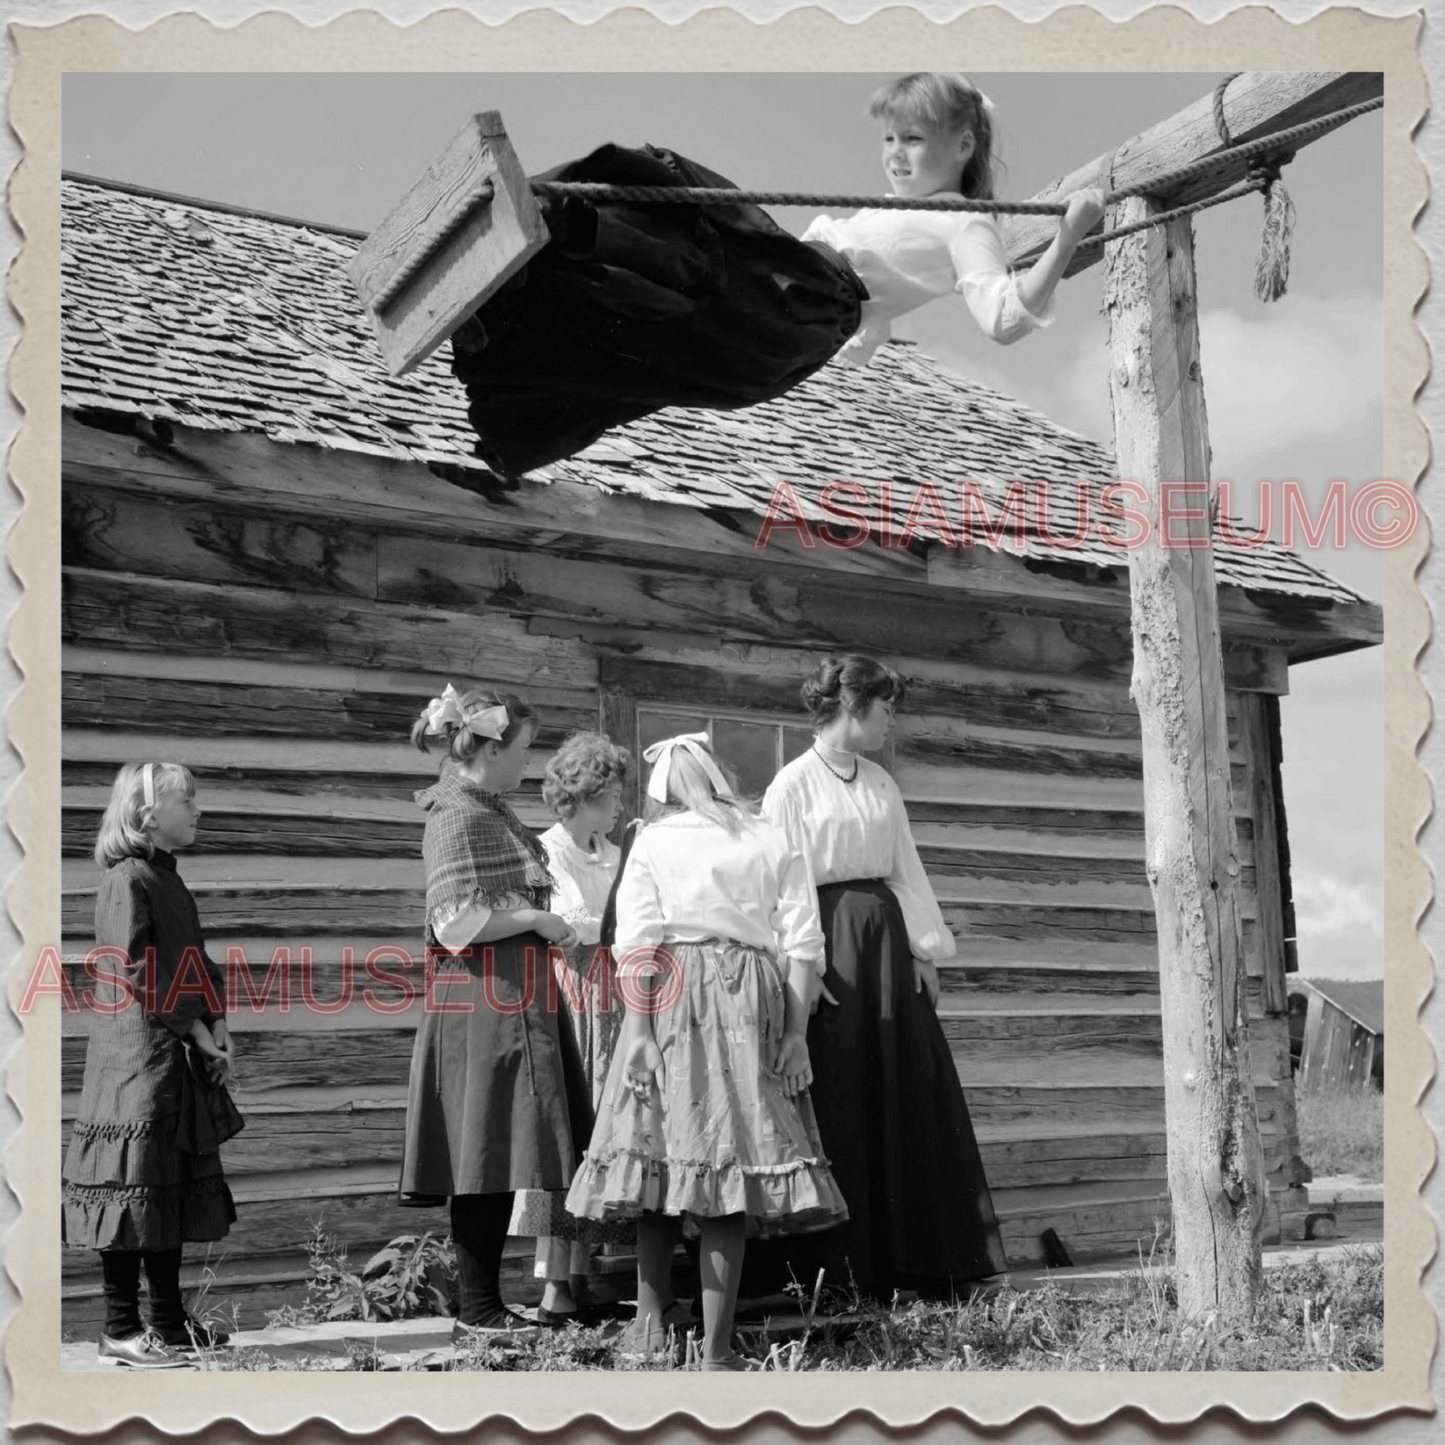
{"type": "Point", "coordinates": [636, 306]}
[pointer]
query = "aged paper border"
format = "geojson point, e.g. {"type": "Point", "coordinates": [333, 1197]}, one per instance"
{"type": "Point", "coordinates": [991, 39]}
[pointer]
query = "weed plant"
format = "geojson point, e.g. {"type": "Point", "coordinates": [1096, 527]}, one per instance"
{"type": "Point", "coordinates": [1324, 1314]}
{"type": "Point", "coordinates": [1342, 1131]}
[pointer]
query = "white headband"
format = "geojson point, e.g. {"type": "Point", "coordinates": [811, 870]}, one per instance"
{"type": "Point", "coordinates": [148, 784]}
{"type": "Point", "coordinates": [660, 756]}
{"type": "Point", "coordinates": [485, 720]}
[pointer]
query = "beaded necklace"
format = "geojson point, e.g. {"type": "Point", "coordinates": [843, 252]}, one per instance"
{"type": "Point", "coordinates": [842, 778]}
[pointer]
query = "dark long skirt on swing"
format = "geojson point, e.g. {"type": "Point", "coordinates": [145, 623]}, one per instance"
{"type": "Point", "coordinates": [635, 306]}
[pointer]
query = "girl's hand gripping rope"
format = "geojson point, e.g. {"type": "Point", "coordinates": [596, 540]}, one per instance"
{"type": "Point", "coordinates": [1085, 211]}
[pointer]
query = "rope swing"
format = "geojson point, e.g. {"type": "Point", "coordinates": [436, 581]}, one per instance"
{"type": "Point", "coordinates": [1267, 155]}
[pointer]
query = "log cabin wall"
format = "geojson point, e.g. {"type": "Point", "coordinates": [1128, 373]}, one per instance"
{"type": "Point", "coordinates": [275, 617]}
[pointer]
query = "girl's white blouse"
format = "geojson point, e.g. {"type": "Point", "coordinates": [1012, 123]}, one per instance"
{"type": "Point", "coordinates": [858, 830]}
{"type": "Point", "coordinates": [906, 258]}
{"type": "Point", "coordinates": [688, 879]}
{"type": "Point", "coordinates": [583, 880]}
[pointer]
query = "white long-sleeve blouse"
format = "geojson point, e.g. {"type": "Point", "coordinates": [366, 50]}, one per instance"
{"type": "Point", "coordinates": [907, 258]}
{"type": "Point", "coordinates": [688, 879]}
{"type": "Point", "coordinates": [854, 830]}
{"type": "Point", "coordinates": [583, 880]}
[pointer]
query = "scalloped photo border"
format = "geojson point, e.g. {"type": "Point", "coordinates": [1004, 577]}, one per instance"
{"type": "Point", "coordinates": [1075, 39]}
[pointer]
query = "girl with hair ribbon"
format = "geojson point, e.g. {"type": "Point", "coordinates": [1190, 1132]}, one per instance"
{"type": "Point", "coordinates": [142, 1174]}
{"type": "Point", "coordinates": [888, 1098]}
{"type": "Point", "coordinates": [490, 1098]}
{"type": "Point", "coordinates": [705, 1118]}
{"type": "Point", "coordinates": [635, 306]}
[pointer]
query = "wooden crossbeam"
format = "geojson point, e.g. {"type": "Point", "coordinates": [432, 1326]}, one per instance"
{"type": "Point", "coordinates": [1255, 105]}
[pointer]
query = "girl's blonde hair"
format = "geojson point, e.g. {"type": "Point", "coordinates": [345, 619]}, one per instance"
{"type": "Point", "coordinates": [688, 786]}
{"type": "Point", "coordinates": [128, 815]}
{"type": "Point", "coordinates": [952, 103]}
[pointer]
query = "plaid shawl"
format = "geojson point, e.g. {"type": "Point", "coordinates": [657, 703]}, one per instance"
{"type": "Point", "coordinates": [477, 851]}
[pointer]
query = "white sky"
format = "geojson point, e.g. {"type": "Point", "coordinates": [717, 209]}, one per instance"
{"type": "Point", "coordinates": [1293, 389]}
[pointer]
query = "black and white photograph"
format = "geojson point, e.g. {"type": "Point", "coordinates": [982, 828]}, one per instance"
{"type": "Point", "coordinates": [722, 722]}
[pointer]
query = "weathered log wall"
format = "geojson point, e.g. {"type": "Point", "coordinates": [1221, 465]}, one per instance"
{"type": "Point", "coordinates": [281, 653]}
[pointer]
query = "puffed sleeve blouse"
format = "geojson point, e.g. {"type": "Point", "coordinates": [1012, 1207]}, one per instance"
{"type": "Point", "coordinates": [688, 880]}
{"type": "Point", "coordinates": [858, 830]}
{"type": "Point", "coordinates": [907, 258]}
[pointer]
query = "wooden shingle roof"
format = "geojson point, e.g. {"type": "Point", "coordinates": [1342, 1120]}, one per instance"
{"type": "Point", "coordinates": [1363, 1000]}
{"type": "Point", "coordinates": [214, 318]}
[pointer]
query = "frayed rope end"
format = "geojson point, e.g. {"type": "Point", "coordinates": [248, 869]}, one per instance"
{"type": "Point", "coordinates": [1271, 272]}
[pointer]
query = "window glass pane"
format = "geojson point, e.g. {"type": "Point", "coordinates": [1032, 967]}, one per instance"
{"type": "Point", "coordinates": [750, 750]}
{"type": "Point", "coordinates": [652, 727]}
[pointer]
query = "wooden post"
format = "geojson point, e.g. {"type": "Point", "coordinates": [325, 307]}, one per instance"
{"type": "Point", "coordinates": [1216, 1167]}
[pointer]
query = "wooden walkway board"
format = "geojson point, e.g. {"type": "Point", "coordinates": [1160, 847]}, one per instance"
{"type": "Point", "coordinates": [456, 237]}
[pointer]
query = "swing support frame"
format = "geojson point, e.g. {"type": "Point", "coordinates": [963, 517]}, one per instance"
{"type": "Point", "coordinates": [472, 221]}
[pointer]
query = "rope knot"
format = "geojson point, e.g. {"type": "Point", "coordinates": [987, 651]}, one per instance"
{"type": "Point", "coordinates": [1271, 272]}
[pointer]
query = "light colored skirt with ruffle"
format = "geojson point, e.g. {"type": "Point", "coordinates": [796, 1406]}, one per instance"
{"type": "Point", "coordinates": [723, 1138]}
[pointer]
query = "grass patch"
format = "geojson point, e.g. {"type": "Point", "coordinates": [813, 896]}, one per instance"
{"type": "Point", "coordinates": [1325, 1314]}
{"type": "Point", "coordinates": [1342, 1131]}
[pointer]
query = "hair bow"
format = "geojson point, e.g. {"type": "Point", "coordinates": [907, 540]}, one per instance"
{"type": "Point", "coordinates": [486, 720]}
{"type": "Point", "coordinates": [443, 710]}
{"type": "Point", "coordinates": [660, 756]}
{"type": "Point", "coordinates": [985, 102]}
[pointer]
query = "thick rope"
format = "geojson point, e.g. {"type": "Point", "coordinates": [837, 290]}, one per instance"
{"type": "Point", "coordinates": [1265, 146]}
{"type": "Point", "coordinates": [1220, 124]}
{"type": "Point", "coordinates": [1243, 188]}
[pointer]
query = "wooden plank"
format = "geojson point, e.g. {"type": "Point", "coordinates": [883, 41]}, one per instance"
{"type": "Point", "coordinates": [916, 742]}
{"type": "Point", "coordinates": [1262, 807]}
{"type": "Point", "coordinates": [459, 234]}
{"type": "Point", "coordinates": [328, 486]}
{"type": "Point", "coordinates": [278, 912]}
{"type": "Point", "coordinates": [1255, 104]}
{"type": "Point", "coordinates": [959, 782]}
{"type": "Point", "coordinates": [412, 684]}
{"type": "Point", "coordinates": [324, 486]}
{"type": "Point", "coordinates": [1040, 867]}
{"type": "Point", "coordinates": [363, 1057]}
{"type": "Point", "coordinates": [159, 615]}
{"type": "Point", "coordinates": [332, 789]}
{"type": "Point", "coordinates": [996, 698]}
{"type": "Point", "coordinates": [110, 531]}
{"type": "Point", "coordinates": [272, 835]}
{"type": "Point", "coordinates": [299, 1141]}
{"type": "Point", "coordinates": [961, 981]}
{"type": "Point", "coordinates": [219, 709]}
{"type": "Point", "coordinates": [1216, 1177]}
{"type": "Point", "coordinates": [1029, 923]}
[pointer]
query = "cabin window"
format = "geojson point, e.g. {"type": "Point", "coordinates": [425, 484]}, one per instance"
{"type": "Point", "coordinates": [754, 747]}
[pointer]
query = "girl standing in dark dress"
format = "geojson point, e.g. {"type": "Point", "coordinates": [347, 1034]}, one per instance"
{"type": "Point", "coordinates": [889, 1105]}
{"type": "Point", "coordinates": [489, 1103]}
{"type": "Point", "coordinates": [143, 1174]}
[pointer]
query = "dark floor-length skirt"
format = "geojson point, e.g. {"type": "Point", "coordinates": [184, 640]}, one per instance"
{"type": "Point", "coordinates": [892, 1117]}
{"type": "Point", "coordinates": [634, 306]}
{"type": "Point", "coordinates": [492, 1091]}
